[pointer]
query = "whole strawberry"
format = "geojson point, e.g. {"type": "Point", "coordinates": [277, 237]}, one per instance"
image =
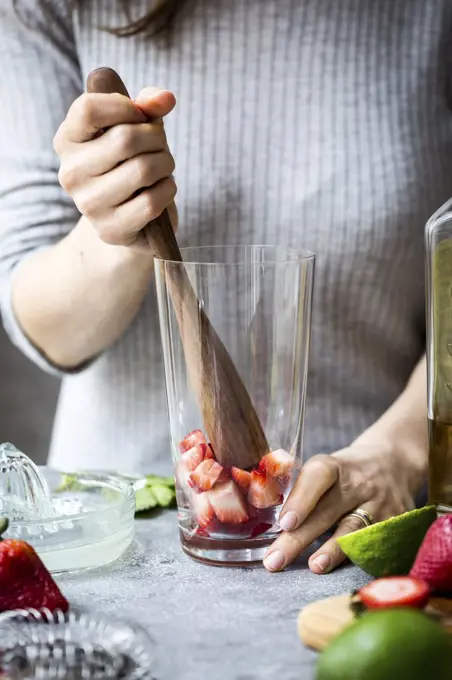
{"type": "Point", "coordinates": [433, 563]}
{"type": "Point", "coordinates": [24, 581]}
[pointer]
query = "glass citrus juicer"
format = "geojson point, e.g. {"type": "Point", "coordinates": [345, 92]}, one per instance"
{"type": "Point", "coordinates": [83, 524]}
{"type": "Point", "coordinates": [438, 241]}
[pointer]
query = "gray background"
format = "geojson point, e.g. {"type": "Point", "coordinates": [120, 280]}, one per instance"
{"type": "Point", "coordinates": [27, 402]}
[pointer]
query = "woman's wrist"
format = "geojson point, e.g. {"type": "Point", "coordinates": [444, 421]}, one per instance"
{"type": "Point", "coordinates": [75, 299]}
{"type": "Point", "coordinates": [84, 241]}
{"type": "Point", "coordinates": [406, 442]}
{"type": "Point", "coordinates": [402, 429]}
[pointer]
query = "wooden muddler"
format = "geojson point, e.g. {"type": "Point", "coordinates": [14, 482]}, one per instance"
{"type": "Point", "coordinates": [230, 420]}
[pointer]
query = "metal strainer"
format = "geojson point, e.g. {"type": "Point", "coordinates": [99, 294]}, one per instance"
{"type": "Point", "coordinates": [39, 645]}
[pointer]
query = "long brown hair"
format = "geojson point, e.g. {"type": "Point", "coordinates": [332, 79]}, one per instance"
{"type": "Point", "coordinates": [151, 22]}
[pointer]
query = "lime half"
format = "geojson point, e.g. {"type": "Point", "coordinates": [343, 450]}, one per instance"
{"type": "Point", "coordinates": [389, 548]}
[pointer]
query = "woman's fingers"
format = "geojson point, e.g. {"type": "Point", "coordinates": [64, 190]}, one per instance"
{"type": "Point", "coordinates": [121, 143]}
{"type": "Point", "coordinates": [331, 507]}
{"type": "Point", "coordinates": [330, 556]}
{"type": "Point", "coordinates": [318, 475]}
{"type": "Point", "coordinates": [345, 492]}
{"type": "Point", "coordinates": [122, 225]}
{"type": "Point", "coordinates": [119, 185]}
{"type": "Point", "coordinates": [105, 153]}
{"type": "Point", "coordinates": [91, 113]}
{"type": "Point", "coordinates": [155, 103]}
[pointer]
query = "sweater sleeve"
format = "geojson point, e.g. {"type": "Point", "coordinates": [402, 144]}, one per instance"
{"type": "Point", "coordinates": [39, 79]}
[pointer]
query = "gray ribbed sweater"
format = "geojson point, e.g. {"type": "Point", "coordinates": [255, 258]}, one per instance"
{"type": "Point", "coordinates": [319, 123]}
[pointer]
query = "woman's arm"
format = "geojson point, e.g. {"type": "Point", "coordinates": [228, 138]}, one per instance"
{"type": "Point", "coordinates": [381, 472]}
{"type": "Point", "coordinates": [404, 425]}
{"type": "Point", "coordinates": [75, 298]}
{"type": "Point", "coordinates": [65, 290]}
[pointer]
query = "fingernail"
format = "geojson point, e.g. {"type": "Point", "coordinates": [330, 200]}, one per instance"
{"type": "Point", "coordinates": [289, 521]}
{"type": "Point", "coordinates": [322, 562]}
{"type": "Point", "coordinates": [274, 560]}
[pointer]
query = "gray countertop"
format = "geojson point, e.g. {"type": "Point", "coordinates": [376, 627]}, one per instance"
{"type": "Point", "coordinates": [209, 623]}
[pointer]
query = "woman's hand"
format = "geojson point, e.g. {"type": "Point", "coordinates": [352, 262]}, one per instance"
{"type": "Point", "coordinates": [77, 297]}
{"type": "Point", "coordinates": [120, 179]}
{"type": "Point", "coordinates": [381, 472]}
{"type": "Point", "coordinates": [377, 477]}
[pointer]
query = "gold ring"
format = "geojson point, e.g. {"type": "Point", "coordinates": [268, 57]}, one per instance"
{"type": "Point", "coordinates": [365, 517]}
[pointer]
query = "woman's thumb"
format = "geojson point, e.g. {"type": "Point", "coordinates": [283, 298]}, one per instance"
{"type": "Point", "coordinates": [155, 102]}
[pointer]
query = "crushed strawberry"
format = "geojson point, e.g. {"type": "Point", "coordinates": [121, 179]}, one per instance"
{"type": "Point", "coordinates": [181, 474]}
{"type": "Point", "coordinates": [207, 474]}
{"type": "Point", "coordinates": [228, 503]}
{"type": "Point", "coordinates": [188, 462]}
{"type": "Point", "coordinates": [241, 477]}
{"type": "Point", "coordinates": [277, 463]}
{"type": "Point", "coordinates": [191, 440]}
{"type": "Point", "coordinates": [202, 509]}
{"type": "Point", "coordinates": [264, 491]}
{"type": "Point", "coordinates": [284, 482]}
{"type": "Point", "coordinates": [209, 452]}
{"type": "Point", "coordinates": [194, 456]}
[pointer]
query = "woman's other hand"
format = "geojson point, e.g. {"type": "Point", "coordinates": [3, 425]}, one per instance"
{"type": "Point", "coordinates": [381, 472]}
{"type": "Point", "coordinates": [376, 478]}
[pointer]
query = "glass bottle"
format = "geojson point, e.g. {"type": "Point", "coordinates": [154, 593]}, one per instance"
{"type": "Point", "coordinates": [438, 242]}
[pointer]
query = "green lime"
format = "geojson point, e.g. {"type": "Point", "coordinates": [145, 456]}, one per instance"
{"type": "Point", "coordinates": [145, 499]}
{"type": "Point", "coordinates": [389, 548]}
{"type": "Point", "coordinates": [401, 644]}
{"type": "Point", "coordinates": [156, 492]}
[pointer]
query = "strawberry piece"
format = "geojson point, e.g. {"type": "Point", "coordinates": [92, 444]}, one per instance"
{"type": "Point", "coordinates": [228, 503]}
{"type": "Point", "coordinates": [25, 582]}
{"type": "Point", "coordinates": [284, 482]}
{"type": "Point", "coordinates": [191, 440]}
{"type": "Point", "coordinates": [277, 463]}
{"type": "Point", "coordinates": [188, 462]}
{"type": "Point", "coordinates": [433, 562]}
{"type": "Point", "coordinates": [209, 452]}
{"type": "Point", "coordinates": [203, 509]}
{"type": "Point", "coordinates": [194, 456]}
{"type": "Point", "coordinates": [241, 477]}
{"type": "Point", "coordinates": [264, 491]}
{"type": "Point", "coordinates": [207, 474]}
{"type": "Point", "coordinates": [395, 591]}
{"type": "Point", "coordinates": [182, 474]}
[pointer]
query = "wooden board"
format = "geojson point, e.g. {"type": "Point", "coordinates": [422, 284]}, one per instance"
{"type": "Point", "coordinates": [321, 621]}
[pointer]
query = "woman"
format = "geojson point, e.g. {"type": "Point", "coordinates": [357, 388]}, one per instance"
{"type": "Point", "coordinates": [299, 122]}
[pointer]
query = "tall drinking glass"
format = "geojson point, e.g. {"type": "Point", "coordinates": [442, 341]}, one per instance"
{"type": "Point", "coordinates": [258, 300]}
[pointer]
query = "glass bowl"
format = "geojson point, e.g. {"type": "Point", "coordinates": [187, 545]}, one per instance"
{"type": "Point", "coordinates": [92, 522]}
